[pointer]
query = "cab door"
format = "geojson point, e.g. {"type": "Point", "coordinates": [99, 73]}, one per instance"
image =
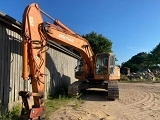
{"type": "Point", "coordinates": [101, 66]}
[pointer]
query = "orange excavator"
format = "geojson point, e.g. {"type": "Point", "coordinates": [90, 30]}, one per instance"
{"type": "Point", "coordinates": [92, 71]}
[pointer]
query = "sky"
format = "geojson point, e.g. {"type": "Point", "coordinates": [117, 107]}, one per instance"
{"type": "Point", "coordinates": [133, 26]}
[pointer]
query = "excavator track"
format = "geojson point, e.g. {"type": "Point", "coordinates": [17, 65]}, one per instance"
{"type": "Point", "coordinates": [113, 90]}
{"type": "Point", "coordinates": [73, 88]}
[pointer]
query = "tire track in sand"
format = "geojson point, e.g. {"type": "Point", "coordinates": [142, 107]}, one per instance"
{"type": "Point", "coordinates": [147, 108]}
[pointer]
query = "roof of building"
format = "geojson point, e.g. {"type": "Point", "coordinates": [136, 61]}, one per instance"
{"type": "Point", "coordinates": [9, 20]}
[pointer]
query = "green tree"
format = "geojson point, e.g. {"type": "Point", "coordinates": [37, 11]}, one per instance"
{"type": "Point", "coordinates": [98, 42]}
{"type": "Point", "coordinates": [144, 60]}
{"type": "Point", "coordinates": [155, 55]}
{"type": "Point", "coordinates": [137, 62]}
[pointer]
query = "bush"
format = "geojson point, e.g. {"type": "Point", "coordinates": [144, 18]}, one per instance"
{"type": "Point", "coordinates": [12, 114]}
{"type": "Point", "coordinates": [124, 78]}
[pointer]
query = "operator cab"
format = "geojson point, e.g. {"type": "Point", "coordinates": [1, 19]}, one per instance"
{"type": "Point", "coordinates": [101, 64]}
{"type": "Point", "coordinates": [104, 64]}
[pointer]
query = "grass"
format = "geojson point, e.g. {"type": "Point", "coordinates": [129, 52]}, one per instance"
{"type": "Point", "coordinates": [124, 78]}
{"type": "Point", "coordinates": [12, 114]}
{"type": "Point", "coordinates": [157, 80]}
{"type": "Point", "coordinates": [52, 105]}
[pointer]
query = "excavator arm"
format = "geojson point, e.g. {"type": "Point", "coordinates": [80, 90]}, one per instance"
{"type": "Point", "coordinates": [35, 33]}
{"type": "Point", "coordinates": [33, 63]}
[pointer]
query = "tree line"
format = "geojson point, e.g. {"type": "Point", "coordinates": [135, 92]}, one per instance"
{"type": "Point", "coordinates": [144, 60]}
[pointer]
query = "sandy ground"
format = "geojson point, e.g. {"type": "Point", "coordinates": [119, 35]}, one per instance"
{"type": "Point", "coordinates": [138, 101]}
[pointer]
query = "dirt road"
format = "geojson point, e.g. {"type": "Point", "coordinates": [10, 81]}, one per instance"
{"type": "Point", "coordinates": [138, 101]}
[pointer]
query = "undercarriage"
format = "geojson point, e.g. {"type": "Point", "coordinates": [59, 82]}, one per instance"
{"type": "Point", "coordinates": [111, 86]}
